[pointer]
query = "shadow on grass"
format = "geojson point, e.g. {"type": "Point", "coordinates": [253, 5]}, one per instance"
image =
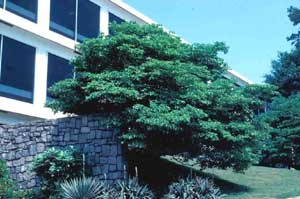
{"type": "Point", "coordinates": [226, 186]}
{"type": "Point", "coordinates": [160, 173]}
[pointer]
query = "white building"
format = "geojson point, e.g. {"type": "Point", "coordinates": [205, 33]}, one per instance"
{"type": "Point", "coordinates": [37, 40]}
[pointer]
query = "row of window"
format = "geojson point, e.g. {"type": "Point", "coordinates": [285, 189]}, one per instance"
{"type": "Point", "coordinates": [76, 19]}
{"type": "Point", "coordinates": [17, 74]}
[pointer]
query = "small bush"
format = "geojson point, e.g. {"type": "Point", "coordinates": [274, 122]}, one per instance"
{"type": "Point", "coordinates": [193, 188]}
{"type": "Point", "coordinates": [9, 189]}
{"type": "Point", "coordinates": [27, 194]}
{"type": "Point", "coordinates": [87, 188]}
{"type": "Point", "coordinates": [54, 166]}
{"type": "Point", "coordinates": [131, 189]}
{"type": "Point", "coordinates": [6, 184]}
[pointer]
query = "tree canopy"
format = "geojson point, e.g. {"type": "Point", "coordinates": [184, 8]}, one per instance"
{"type": "Point", "coordinates": [285, 72]}
{"type": "Point", "coordinates": [286, 69]}
{"type": "Point", "coordinates": [283, 115]}
{"type": "Point", "coordinates": [294, 16]}
{"type": "Point", "coordinates": [284, 127]}
{"type": "Point", "coordinates": [169, 97]}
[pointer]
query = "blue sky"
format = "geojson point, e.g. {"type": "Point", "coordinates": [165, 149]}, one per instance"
{"type": "Point", "coordinates": [255, 30]}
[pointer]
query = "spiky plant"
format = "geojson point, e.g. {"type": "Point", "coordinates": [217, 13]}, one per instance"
{"type": "Point", "coordinates": [131, 189]}
{"type": "Point", "coordinates": [193, 188]}
{"type": "Point", "coordinates": [84, 188]}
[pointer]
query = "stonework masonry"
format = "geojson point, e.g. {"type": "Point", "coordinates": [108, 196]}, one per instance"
{"type": "Point", "coordinates": [20, 143]}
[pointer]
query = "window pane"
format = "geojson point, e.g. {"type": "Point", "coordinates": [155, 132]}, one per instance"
{"type": "Point", "coordinates": [116, 19]}
{"type": "Point", "coordinates": [24, 8]}
{"type": "Point", "coordinates": [62, 17]}
{"type": "Point", "coordinates": [88, 20]}
{"type": "Point", "coordinates": [17, 70]}
{"type": "Point", "coordinates": [1, 3]}
{"type": "Point", "coordinates": [58, 69]}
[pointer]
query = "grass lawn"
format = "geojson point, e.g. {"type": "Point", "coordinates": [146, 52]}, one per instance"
{"type": "Point", "coordinates": [256, 183]}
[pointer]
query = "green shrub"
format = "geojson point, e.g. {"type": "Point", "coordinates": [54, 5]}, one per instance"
{"type": "Point", "coordinates": [6, 184]}
{"type": "Point", "coordinates": [27, 194]}
{"type": "Point", "coordinates": [56, 165]}
{"type": "Point", "coordinates": [87, 188]}
{"type": "Point", "coordinates": [8, 188]}
{"type": "Point", "coordinates": [131, 189]}
{"type": "Point", "coordinates": [193, 188]}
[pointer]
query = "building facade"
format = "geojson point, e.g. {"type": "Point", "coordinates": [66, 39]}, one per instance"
{"type": "Point", "coordinates": [37, 40]}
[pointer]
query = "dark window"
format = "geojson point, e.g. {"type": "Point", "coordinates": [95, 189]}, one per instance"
{"type": "Point", "coordinates": [1, 3]}
{"type": "Point", "coordinates": [114, 19]}
{"type": "Point", "coordinates": [88, 20]}
{"type": "Point", "coordinates": [58, 69]}
{"type": "Point", "coordinates": [17, 70]}
{"type": "Point", "coordinates": [24, 8]}
{"type": "Point", "coordinates": [62, 17]}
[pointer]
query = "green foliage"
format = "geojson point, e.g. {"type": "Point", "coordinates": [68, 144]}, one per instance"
{"type": "Point", "coordinates": [283, 117]}
{"type": "Point", "coordinates": [9, 189]}
{"type": "Point", "coordinates": [53, 166]}
{"type": "Point", "coordinates": [6, 184]}
{"type": "Point", "coordinates": [294, 15]}
{"type": "Point", "coordinates": [284, 122]}
{"type": "Point", "coordinates": [85, 188]}
{"type": "Point", "coordinates": [285, 72]}
{"type": "Point", "coordinates": [169, 96]}
{"type": "Point", "coordinates": [261, 94]}
{"type": "Point", "coordinates": [193, 188]}
{"type": "Point", "coordinates": [131, 189]}
{"type": "Point", "coordinates": [27, 194]}
{"type": "Point", "coordinates": [88, 188]}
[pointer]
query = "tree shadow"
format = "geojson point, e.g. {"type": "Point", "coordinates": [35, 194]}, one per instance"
{"type": "Point", "coordinates": [159, 174]}
{"type": "Point", "coordinates": [227, 187]}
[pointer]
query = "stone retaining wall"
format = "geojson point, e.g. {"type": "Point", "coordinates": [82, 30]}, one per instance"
{"type": "Point", "coordinates": [20, 143]}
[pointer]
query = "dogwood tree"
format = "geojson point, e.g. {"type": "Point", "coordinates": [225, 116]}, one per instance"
{"type": "Point", "coordinates": [168, 96]}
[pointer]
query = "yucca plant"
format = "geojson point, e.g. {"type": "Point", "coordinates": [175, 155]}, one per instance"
{"type": "Point", "coordinates": [131, 189]}
{"type": "Point", "coordinates": [85, 188]}
{"type": "Point", "coordinates": [193, 188]}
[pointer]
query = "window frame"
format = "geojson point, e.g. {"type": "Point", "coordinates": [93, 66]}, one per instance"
{"type": "Point", "coordinates": [49, 55]}
{"type": "Point", "coordinates": [78, 20]}
{"type": "Point", "coordinates": [15, 11]}
{"type": "Point", "coordinates": [75, 31]}
{"type": "Point", "coordinates": [118, 20]}
{"type": "Point", "coordinates": [62, 29]}
{"type": "Point", "coordinates": [15, 92]}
